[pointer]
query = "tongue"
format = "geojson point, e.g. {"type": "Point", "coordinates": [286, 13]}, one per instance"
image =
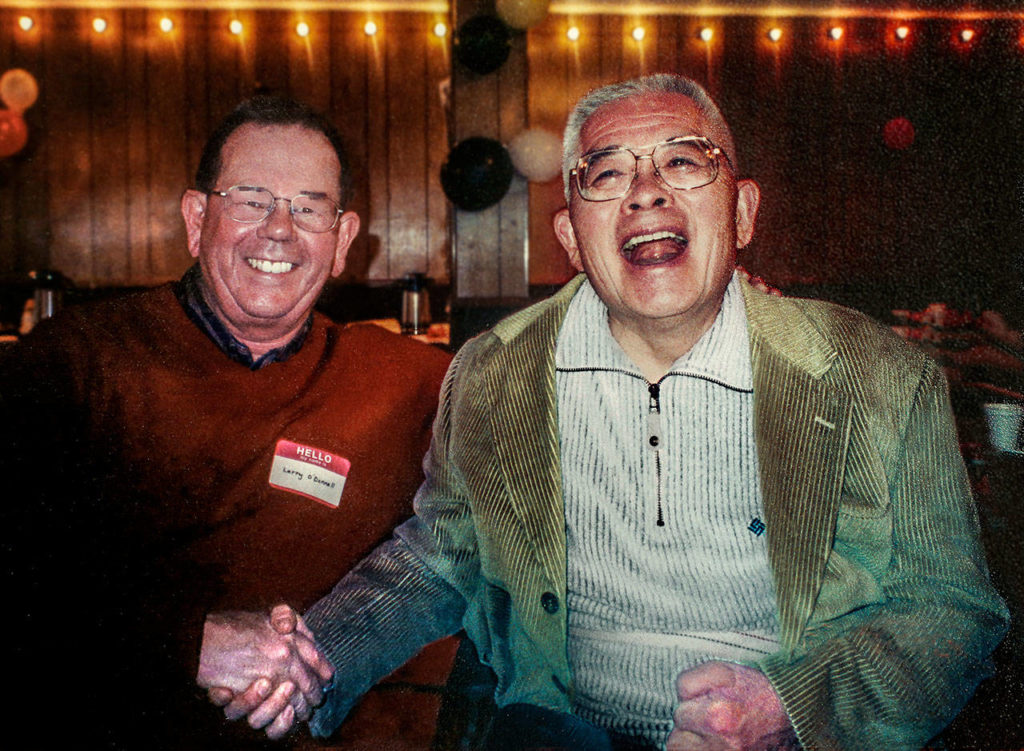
{"type": "Point", "coordinates": [655, 252]}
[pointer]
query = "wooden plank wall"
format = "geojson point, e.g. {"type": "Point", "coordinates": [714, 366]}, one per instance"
{"type": "Point", "coordinates": [122, 116]}
{"type": "Point", "coordinates": [940, 221]}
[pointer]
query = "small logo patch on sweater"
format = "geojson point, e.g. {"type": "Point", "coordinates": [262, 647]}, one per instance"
{"type": "Point", "coordinates": [309, 471]}
{"type": "Point", "coordinates": [756, 526]}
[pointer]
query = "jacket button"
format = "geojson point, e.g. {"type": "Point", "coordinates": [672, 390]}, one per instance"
{"type": "Point", "coordinates": [549, 602]}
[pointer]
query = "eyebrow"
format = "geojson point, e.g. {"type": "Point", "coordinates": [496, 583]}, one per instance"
{"type": "Point", "coordinates": [307, 193]}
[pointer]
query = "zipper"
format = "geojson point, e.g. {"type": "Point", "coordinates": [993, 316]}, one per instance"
{"type": "Point", "coordinates": [654, 439]}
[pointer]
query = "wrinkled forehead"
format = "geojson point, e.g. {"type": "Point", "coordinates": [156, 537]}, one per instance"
{"type": "Point", "coordinates": [281, 157]}
{"type": "Point", "coordinates": [646, 119]}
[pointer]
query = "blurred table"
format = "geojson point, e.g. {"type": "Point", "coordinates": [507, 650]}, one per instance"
{"type": "Point", "coordinates": [438, 333]}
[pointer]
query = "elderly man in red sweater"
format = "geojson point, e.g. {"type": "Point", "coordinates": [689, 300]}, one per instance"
{"type": "Point", "coordinates": [206, 445]}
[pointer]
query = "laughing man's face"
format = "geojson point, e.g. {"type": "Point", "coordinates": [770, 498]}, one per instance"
{"type": "Point", "coordinates": [658, 254]}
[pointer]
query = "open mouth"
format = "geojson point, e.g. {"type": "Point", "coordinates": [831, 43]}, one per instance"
{"type": "Point", "coordinates": [270, 267]}
{"type": "Point", "coordinates": [654, 248]}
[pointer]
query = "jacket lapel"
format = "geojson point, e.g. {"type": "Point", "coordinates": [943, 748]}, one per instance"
{"type": "Point", "coordinates": [525, 428]}
{"type": "Point", "coordinates": [802, 428]}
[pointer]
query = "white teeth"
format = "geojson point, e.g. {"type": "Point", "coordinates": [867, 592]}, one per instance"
{"type": "Point", "coordinates": [662, 235]}
{"type": "Point", "coordinates": [270, 267]}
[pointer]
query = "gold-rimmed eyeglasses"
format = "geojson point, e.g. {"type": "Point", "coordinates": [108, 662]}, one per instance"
{"type": "Point", "coordinates": [683, 163]}
{"type": "Point", "coordinates": [251, 204]}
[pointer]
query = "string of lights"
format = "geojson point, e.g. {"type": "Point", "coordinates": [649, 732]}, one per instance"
{"type": "Point", "coordinates": [963, 31]}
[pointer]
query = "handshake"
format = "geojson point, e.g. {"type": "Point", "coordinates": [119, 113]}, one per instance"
{"type": "Point", "coordinates": [265, 668]}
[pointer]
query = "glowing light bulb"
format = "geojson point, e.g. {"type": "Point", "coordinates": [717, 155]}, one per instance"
{"type": "Point", "coordinates": [440, 30]}
{"type": "Point", "coordinates": [302, 29]}
{"type": "Point", "coordinates": [166, 25]}
{"type": "Point", "coordinates": [370, 29]}
{"type": "Point", "coordinates": [966, 35]}
{"type": "Point", "coordinates": [638, 33]}
{"type": "Point", "coordinates": [25, 23]}
{"type": "Point", "coordinates": [706, 34]}
{"type": "Point", "coordinates": [235, 27]}
{"type": "Point", "coordinates": [835, 33]}
{"type": "Point", "coordinates": [573, 33]}
{"type": "Point", "coordinates": [99, 25]}
{"type": "Point", "coordinates": [775, 34]}
{"type": "Point", "coordinates": [902, 32]}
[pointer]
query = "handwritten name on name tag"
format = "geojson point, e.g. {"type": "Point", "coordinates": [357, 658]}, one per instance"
{"type": "Point", "coordinates": [309, 471]}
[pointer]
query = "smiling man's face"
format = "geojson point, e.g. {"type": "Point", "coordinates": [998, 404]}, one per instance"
{"type": "Point", "coordinates": [658, 255]}
{"type": "Point", "coordinates": [262, 279]}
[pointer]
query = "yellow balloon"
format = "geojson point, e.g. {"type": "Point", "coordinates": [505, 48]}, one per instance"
{"type": "Point", "coordinates": [522, 14]}
{"type": "Point", "coordinates": [18, 89]}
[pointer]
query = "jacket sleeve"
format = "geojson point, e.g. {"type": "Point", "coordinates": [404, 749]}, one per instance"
{"type": "Point", "coordinates": [892, 674]}
{"type": "Point", "coordinates": [405, 594]}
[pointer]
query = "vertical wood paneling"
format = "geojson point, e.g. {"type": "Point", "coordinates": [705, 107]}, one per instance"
{"type": "Point", "coordinates": [514, 208]}
{"type": "Point", "coordinates": [137, 144]}
{"type": "Point", "coordinates": [405, 43]}
{"type": "Point", "coordinates": [436, 138]}
{"type": "Point", "coordinates": [109, 256]}
{"type": "Point", "coordinates": [348, 67]}
{"type": "Point", "coordinates": [554, 66]}
{"type": "Point", "coordinates": [377, 147]}
{"type": "Point", "coordinates": [24, 208]}
{"type": "Point", "coordinates": [67, 83]}
{"type": "Point", "coordinates": [170, 174]}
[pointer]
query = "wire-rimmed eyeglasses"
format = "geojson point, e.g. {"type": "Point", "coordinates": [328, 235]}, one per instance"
{"type": "Point", "coordinates": [251, 204]}
{"type": "Point", "coordinates": [683, 163]}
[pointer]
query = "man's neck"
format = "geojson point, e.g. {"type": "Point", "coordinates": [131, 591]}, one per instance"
{"type": "Point", "coordinates": [653, 346]}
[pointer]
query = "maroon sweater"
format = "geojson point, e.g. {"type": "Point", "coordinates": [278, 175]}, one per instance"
{"type": "Point", "coordinates": [143, 455]}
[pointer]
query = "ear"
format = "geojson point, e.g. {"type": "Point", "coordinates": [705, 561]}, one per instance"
{"type": "Point", "coordinates": [747, 200]}
{"type": "Point", "coordinates": [567, 237]}
{"type": "Point", "coordinates": [348, 228]}
{"type": "Point", "coordinates": [193, 209]}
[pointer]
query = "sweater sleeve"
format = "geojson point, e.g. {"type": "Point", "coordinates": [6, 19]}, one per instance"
{"type": "Point", "coordinates": [407, 592]}
{"type": "Point", "coordinates": [891, 675]}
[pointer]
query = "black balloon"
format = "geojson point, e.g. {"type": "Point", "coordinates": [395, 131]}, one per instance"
{"type": "Point", "coordinates": [477, 173]}
{"type": "Point", "coordinates": [482, 44]}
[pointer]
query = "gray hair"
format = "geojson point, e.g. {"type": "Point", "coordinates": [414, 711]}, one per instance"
{"type": "Point", "coordinates": [659, 83]}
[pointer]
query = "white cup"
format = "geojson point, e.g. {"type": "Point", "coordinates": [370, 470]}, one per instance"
{"type": "Point", "coordinates": [1004, 423]}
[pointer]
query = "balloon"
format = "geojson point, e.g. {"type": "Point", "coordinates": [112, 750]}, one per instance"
{"type": "Point", "coordinates": [898, 133]}
{"type": "Point", "coordinates": [522, 14]}
{"type": "Point", "coordinates": [477, 173]}
{"type": "Point", "coordinates": [536, 154]}
{"type": "Point", "coordinates": [481, 44]}
{"type": "Point", "coordinates": [18, 89]}
{"type": "Point", "coordinates": [13, 133]}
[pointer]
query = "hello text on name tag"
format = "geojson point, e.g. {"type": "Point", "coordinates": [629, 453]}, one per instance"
{"type": "Point", "coordinates": [309, 471]}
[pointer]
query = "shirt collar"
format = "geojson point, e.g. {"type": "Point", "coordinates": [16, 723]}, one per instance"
{"type": "Point", "coordinates": [721, 355]}
{"type": "Point", "coordinates": [189, 292]}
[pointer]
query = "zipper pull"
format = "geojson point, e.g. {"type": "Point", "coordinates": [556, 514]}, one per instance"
{"type": "Point", "coordinates": [654, 437]}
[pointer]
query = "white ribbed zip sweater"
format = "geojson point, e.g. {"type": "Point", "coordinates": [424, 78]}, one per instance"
{"type": "Point", "coordinates": [667, 560]}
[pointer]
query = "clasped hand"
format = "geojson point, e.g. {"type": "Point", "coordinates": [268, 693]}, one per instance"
{"type": "Point", "coordinates": [724, 706]}
{"type": "Point", "coordinates": [266, 667]}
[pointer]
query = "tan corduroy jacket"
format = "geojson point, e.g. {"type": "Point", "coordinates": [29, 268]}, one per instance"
{"type": "Point", "coordinates": [887, 615]}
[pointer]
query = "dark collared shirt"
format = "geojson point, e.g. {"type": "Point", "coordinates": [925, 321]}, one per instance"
{"type": "Point", "coordinates": [189, 292]}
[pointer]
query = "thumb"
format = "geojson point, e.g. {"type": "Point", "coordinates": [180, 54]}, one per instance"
{"type": "Point", "coordinates": [703, 679]}
{"type": "Point", "coordinates": [283, 619]}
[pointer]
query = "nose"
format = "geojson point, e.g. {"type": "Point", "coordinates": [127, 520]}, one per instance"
{"type": "Point", "coordinates": [647, 190]}
{"type": "Point", "coordinates": [279, 225]}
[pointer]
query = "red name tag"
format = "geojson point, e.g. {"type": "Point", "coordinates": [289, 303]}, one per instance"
{"type": "Point", "coordinates": [309, 471]}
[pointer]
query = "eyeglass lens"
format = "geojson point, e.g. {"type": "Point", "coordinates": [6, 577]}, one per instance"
{"type": "Point", "coordinates": [683, 164]}
{"type": "Point", "coordinates": [253, 204]}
